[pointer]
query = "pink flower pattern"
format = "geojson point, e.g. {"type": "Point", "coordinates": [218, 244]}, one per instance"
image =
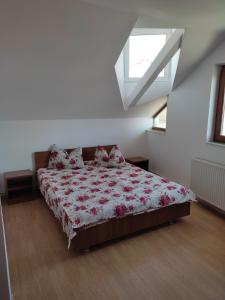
{"type": "Point", "coordinates": [59, 159]}
{"type": "Point", "coordinates": [114, 159]}
{"type": "Point", "coordinates": [96, 194]}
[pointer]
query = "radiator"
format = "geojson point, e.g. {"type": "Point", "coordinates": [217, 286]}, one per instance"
{"type": "Point", "coordinates": [208, 182]}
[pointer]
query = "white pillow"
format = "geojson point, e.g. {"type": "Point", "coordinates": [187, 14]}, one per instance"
{"type": "Point", "coordinates": [116, 158]}
{"type": "Point", "coordinates": [101, 157]}
{"type": "Point", "coordinates": [57, 159]}
{"type": "Point", "coordinates": [75, 159]}
{"type": "Point", "coordinates": [60, 159]}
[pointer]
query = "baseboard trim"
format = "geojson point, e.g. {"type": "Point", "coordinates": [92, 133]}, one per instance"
{"type": "Point", "coordinates": [211, 207]}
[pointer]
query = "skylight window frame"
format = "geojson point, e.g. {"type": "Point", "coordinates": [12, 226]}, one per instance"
{"type": "Point", "coordinates": [146, 31]}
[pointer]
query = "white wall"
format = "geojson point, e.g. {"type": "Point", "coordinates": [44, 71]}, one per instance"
{"type": "Point", "coordinates": [19, 139]}
{"type": "Point", "coordinates": [57, 62]}
{"type": "Point", "coordinates": [188, 108]}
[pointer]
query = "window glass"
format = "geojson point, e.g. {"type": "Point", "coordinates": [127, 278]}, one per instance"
{"type": "Point", "coordinates": [223, 118]}
{"type": "Point", "coordinates": [143, 49]}
{"type": "Point", "coordinates": [160, 119]}
{"type": "Point", "coordinates": [219, 133]}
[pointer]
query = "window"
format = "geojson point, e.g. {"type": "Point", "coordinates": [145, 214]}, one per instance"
{"type": "Point", "coordinates": [159, 119]}
{"type": "Point", "coordinates": [219, 134]}
{"type": "Point", "coordinates": [141, 50]}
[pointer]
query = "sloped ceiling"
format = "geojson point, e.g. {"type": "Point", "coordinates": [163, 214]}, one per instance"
{"type": "Point", "coordinates": [192, 13]}
{"type": "Point", "coordinates": [203, 21]}
{"type": "Point", "coordinates": [57, 60]}
{"type": "Point", "coordinates": [57, 57]}
{"type": "Point", "coordinates": [197, 44]}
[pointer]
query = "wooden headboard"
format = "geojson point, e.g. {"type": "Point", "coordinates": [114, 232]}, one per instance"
{"type": "Point", "coordinates": [41, 158]}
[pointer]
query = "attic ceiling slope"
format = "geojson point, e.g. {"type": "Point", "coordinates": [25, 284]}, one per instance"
{"type": "Point", "coordinates": [57, 57]}
{"type": "Point", "coordinates": [57, 60]}
{"type": "Point", "coordinates": [204, 41]}
{"type": "Point", "coordinates": [203, 21]}
{"type": "Point", "coordinates": [176, 13]}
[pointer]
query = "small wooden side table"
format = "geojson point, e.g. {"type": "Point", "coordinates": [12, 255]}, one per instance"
{"type": "Point", "coordinates": [18, 186]}
{"type": "Point", "coordinates": [139, 161]}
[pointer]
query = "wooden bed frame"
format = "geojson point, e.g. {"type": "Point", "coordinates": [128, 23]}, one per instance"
{"type": "Point", "coordinates": [115, 228]}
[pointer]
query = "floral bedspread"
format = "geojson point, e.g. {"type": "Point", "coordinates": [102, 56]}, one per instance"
{"type": "Point", "coordinates": [92, 194]}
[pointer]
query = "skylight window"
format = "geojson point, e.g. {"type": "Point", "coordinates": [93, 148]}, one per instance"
{"type": "Point", "coordinates": [142, 48]}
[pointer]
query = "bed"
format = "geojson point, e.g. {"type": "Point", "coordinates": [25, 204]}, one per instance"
{"type": "Point", "coordinates": [97, 204]}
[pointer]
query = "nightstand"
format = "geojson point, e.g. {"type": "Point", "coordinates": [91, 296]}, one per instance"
{"type": "Point", "coordinates": [138, 161]}
{"type": "Point", "coordinates": [18, 186]}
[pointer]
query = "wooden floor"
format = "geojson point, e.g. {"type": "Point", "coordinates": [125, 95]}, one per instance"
{"type": "Point", "coordinates": [185, 260]}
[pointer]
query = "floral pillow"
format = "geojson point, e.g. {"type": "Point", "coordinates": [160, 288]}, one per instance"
{"type": "Point", "coordinates": [57, 159]}
{"type": "Point", "coordinates": [116, 158]}
{"type": "Point", "coordinates": [60, 159]}
{"type": "Point", "coordinates": [101, 157]}
{"type": "Point", "coordinates": [75, 159]}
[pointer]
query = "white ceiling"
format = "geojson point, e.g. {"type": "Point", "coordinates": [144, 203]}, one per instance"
{"type": "Point", "coordinates": [57, 57]}
{"type": "Point", "coordinates": [203, 21]}
{"type": "Point", "coordinates": [175, 13]}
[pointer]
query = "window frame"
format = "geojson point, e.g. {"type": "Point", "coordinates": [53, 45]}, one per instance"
{"type": "Point", "coordinates": [155, 115]}
{"type": "Point", "coordinates": [145, 31]}
{"type": "Point", "coordinates": [219, 107]}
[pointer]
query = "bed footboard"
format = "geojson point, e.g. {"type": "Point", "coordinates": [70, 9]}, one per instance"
{"type": "Point", "coordinates": [116, 228]}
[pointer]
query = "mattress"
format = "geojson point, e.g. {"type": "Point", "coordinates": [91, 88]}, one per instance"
{"type": "Point", "coordinates": [91, 195]}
